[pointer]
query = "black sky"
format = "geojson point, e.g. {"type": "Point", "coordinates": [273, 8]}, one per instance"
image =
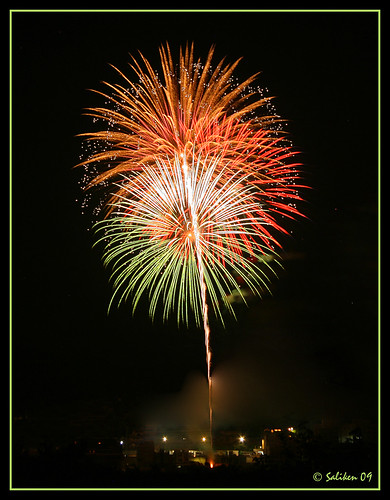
{"type": "Point", "coordinates": [308, 351]}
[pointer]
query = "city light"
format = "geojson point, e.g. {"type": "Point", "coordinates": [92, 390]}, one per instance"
{"type": "Point", "coordinates": [241, 439]}
{"type": "Point", "coordinates": [165, 439]}
{"type": "Point", "coordinates": [203, 439]}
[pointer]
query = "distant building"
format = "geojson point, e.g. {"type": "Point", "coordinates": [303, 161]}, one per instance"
{"type": "Point", "coordinates": [279, 444]}
{"type": "Point", "coordinates": [102, 451]}
{"type": "Point", "coordinates": [145, 455]}
{"type": "Point", "coordinates": [358, 430]}
{"type": "Point", "coordinates": [175, 449]}
{"type": "Point", "coordinates": [182, 457]}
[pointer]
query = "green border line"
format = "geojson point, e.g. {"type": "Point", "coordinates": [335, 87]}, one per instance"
{"type": "Point", "coordinates": [10, 250]}
{"type": "Point", "coordinates": [12, 11]}
{"type": "Point", "coordinates": [379, 247]}
{"type": "Point", "coordinates": [196, 10]}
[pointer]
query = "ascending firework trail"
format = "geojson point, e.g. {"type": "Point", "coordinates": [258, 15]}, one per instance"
{"type": "Point", "coordinates": [198, 177]}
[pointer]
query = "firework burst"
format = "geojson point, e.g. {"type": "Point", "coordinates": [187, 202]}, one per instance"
{"type": "Point", "coordinates": [199, 174]}
{"type": "Point", "coordinates": [176, 226]}
{"type": "Point", "coordinates": [198, 111]}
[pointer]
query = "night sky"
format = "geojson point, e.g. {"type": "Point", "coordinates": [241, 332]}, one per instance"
{"type": "Point", "coordinates": [308, 352]}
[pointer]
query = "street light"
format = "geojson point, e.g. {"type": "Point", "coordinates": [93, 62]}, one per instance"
{"type": "Point", "coordinates": [241, 439]}
{"type": "Point", "coordinates": [165, 439]}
